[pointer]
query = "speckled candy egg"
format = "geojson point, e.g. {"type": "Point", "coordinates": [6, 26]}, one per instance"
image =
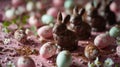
{"type": "Point", "coordinates": [20, 36]}
{"type": "Point", "coordinates": [103, 40]}
{"type": "Point", "coordinates": [118, 50]}
{"type": "Point", "coordinates": [48, 50]}
{"type": "Point", "coordinates": [64, 59]}
{"type": "Point", "coordinates": [115, 31]}
{"type": "Point", "coordinates": [45, 32]}
{"type": "Point", "coordinates": [91, 51]}
{"type": "Point", "coordinates": [52, 12]}
{"type": "Point", "coordinates": [25, 61]}
{"type": "Point", "coordinates": [47, 19]}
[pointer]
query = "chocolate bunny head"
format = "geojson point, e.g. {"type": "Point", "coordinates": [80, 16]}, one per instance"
{"type": "Point", "coordinates": [94, 11]}
{"type": "Point", "coordinates": [60, 26]}
{"type": "Point", "coordinates": [77, 15]}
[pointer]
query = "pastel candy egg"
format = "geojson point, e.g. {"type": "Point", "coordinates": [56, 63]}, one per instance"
{"type": "Point", "coordinates": [45, 32]}
{"type": "Point", "coordinates": [91, 51]}
{"type": "Point", "coordinates": [20, 10]}
{"type": "Point", "coordinates": [25, 61]}
{"type": "Point", "coordinates": [47, 19]}
{"type": "Point", "coordinates": [115, 31]}
{"type": "Point", "coordinates": [10, 13]}
{"type": "Point", "coordinates": [33, 21]}
{"type": "Point", "coordinates": [69, 4]}
{"type": "Point", "coordinates": [30, 6]}
{"type": "Point", "coordinates": [58, 3]}
{"type": "Point", "coordinates": [114, 7]}
{"type": "Point", "coordinates": [48, 50]}
{"type": "Point", "coordinates": [103, 40]}
{"type": "Point", "coordinates": [64, 59]}
{"type": "Point", "coordinates": [52, 12]}
{"type": "Point", "coordinates": [118, 50]}
{"type": "Point", "coordinates": [39, 5]}
{"type": "Point", "coordinates": [16, 3]}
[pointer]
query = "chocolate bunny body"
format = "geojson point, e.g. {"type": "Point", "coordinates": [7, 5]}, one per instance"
{"type": "Point", "coordinates": [81, 28]}
{"type": "Point", "coordinates": [65, 38]}
{"type": "Point", "coordinates": [97, 22]}
{"type": "Point", "coordinates": [110, 15]}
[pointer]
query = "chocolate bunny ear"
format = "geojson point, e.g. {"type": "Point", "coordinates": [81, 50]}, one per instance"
{"type": "Point", "coordinates": [75, 10]}
{"type": "Point", "coordinates": [59, 17]}
{"type": "Point", "coordinates": [110, 2]}
{"type": "Point", "coordinates": [81, 11]}
{"type": "Point", "coordinates": [98, 5]}
{"type": "Point", "coordinates": [66, 19]}
{"type": "Point", "coordinates": [92, 3]}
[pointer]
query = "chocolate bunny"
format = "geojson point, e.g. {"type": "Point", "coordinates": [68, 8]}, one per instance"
{"type": "Point", "coordinates": [110, 15]}
{"type": "Point", "coordinates": [97, 22]}
{"type": "Point", "coordinates": [65, 38]}
{"type": "Point", "coordinates": [81, 28]}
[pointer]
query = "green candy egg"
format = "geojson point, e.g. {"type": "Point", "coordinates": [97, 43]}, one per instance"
{"type": "Point", "coordinates": [64, 59]}
{"type": "Point", "coordinates": [115, 31]}
{"type": "Point", "coordinates": [69, 4]}
{"type": "Point", "coordinates": [47, 19]}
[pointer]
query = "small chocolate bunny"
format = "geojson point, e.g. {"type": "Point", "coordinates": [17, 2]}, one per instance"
{"type": "Point", "coordinates": [65, 38]}
{"type": "Point", "coordinates": [81, 28]}
{"type": "Point", "coordinates": [97, 22]}
{"type": "Point", "coordinates": [110, 15]}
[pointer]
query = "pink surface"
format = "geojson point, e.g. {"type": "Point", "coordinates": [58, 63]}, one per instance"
{"type": "Point", "coordinates": [8, 52]}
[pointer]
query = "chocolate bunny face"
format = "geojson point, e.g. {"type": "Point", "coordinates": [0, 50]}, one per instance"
{"type": "Point", "coordinates": [94, 11]}
{"type": "Point", "coordinates": [60, 26]}
{"type": "Point", "coordinates": [77, 16]}
{"type": "Point", "coordinates": [81, 28]}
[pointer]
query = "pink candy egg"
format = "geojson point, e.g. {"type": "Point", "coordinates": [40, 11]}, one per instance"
{"type": "Point", "coordinates": [103, 40]}
{"type": "Point", "coordinates": [114, 7]}
{"type": "Point", "coordinates": [53, 12]}
{"type": "Point", "coordinates": [48, 50]}
{"type": "Point", "coordinates": [118, 50]}
{"type": "Point", "coordinates": [33, 21]}
{"type": "Point", "coordinates": [58, 3]}
{"type": "Point", "coordinates": [16, 3]}
{"type": "Point", "coordinates": [45, 32]}
{"type": "Point", "coordinates": [25, 62]}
